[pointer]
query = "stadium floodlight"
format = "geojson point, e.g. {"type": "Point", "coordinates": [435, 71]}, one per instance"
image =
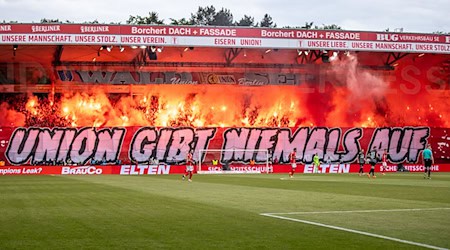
{"type": "Point", "coordinates": [244, 161]}
{"type": "Point", "coordinates": [334, 56]}
{"type": "Point", "coordinates": [188, 48]}
{"type": "Point", "coordinates": [300, 52]}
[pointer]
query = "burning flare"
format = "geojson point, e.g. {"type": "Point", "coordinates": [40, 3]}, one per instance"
{"type": "Point", "coordinates": [351, 97]}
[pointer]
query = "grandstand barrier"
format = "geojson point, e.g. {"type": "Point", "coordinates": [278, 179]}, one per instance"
{"type": "Point", "coordinates": [164, 169]}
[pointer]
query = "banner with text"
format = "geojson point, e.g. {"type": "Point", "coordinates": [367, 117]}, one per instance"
{"type": "Point", "coordinates": [180, 78]}
{"type": "Point", "coordinates": [231, 37]}
{"type": "Point", "coordinates": [170, 145]}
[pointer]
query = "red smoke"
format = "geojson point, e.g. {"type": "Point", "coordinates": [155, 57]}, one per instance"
{"type": "Point", "coordinates": [343, 95]}
{"type": "Point", "coordinates": [10, 117]}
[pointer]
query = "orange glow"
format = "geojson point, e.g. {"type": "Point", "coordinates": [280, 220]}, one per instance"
{"type": "Point", "coordinates": [32, 106]}
{"type": "Point", "coordinates": [237, 106]}
{"type": "Point", "coordinates": [361, 99]}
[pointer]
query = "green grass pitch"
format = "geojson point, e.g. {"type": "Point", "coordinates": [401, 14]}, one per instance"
{"type": "Point", "coordinates": [223, 211]}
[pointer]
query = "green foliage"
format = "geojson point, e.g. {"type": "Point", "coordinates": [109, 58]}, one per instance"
{"type": "Point", "coordinates": [292, 27]}
{"type": "Point", "coordinates": [152, 18]}
{"type": "Point", "coordinates": [328, 27]}
{"type": "Point", "coordinates": [267, 22]}
{"type": "Point", "coordinates": [308, 25]}
{"type": "Point", "coordinates": [209, 16]}
{"type": "Point", "coordinates": [246, 21]}
{"type": "Point", "coordinates": [223, 18]}
{"type": "Point", "coordinates": [182, 21]}
{"type": "Point", "coordinates": [440, 32]}
{"type": "Point", "coordinates": [48, 20]}
{"type": "Point", "coordinates": [203, 16]}
{"type": "Point", "coordinates": [4, 21]}
{"type": "Point", "coordinates": [92, 22]}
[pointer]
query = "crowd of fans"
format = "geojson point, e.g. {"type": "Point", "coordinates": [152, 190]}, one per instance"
{"type": "Point", "coordinates": [45, 113]}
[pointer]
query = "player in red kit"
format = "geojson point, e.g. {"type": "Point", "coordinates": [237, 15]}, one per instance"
{"type": "Point", "coordinates": [293, 161]}
{"type": "Point", "coordinates": [384, 162]}
{"type": "Point", "coordinates": [189, 167]}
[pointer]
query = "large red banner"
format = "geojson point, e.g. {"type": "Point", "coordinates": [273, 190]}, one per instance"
{"type": "Point", "coordinates": [234, 37]}
{"type": "Point", "coordinates": [169, 145]}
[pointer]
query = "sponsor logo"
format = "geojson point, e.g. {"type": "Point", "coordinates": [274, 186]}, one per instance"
{"type": "Point", "coordinates": [24, 170]}
{"type": "Point", "coordinates": [5, 27]}
{"type": "Point", "coordinates": [148, 31]}
{"type": "Point", "coordinates": [239, 169]}
{"type": "Point", "coordinates": [389, 168]}
{"type": "Point", "coordinates": [45, 28]}
{"type": "Point", "coordinates": [89, 170]}
{"type": "Point", "coordinates": [144, 169]}
{"type": "Point", "coordinates": [220, 79]}
{"type": "Point", "coordinates": [328, 168]}
{"type": "Point", "coordinates": [94, 29]}
{"type": "Point", "coordinates": [387, 37]}
{"type": "Point", "coordinates": [420, 168]}
{"type": "Point", "coordinates": [5, 171]}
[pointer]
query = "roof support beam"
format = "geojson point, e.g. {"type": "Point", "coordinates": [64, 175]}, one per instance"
{"type": "Point", "coordinates": [309, 56]}
{"type": "Point", "coordinates": [57, 55]}
{"type": "Point", "coordinates": [231, 54]}
{"type": "Point", "coordinates": [394, 57]}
